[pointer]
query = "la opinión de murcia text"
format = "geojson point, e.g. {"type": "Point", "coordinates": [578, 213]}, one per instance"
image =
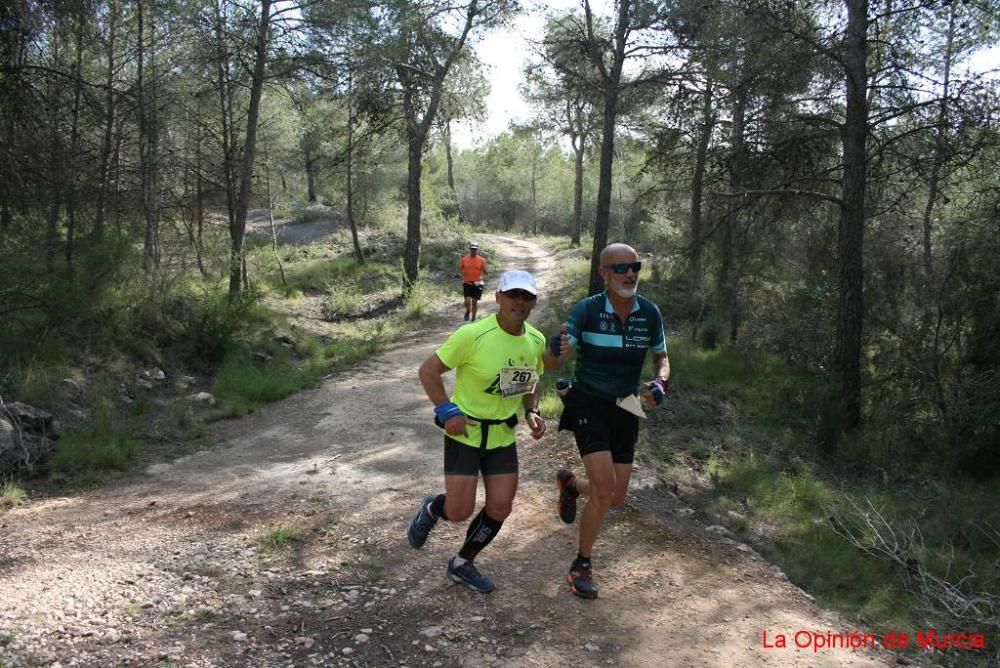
{"type": "Point", "coordinates": [818, 641]}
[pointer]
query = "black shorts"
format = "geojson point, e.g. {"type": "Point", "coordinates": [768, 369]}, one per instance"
{"type": "Point", "coordinates": [598, 425]}
{"type": "Point", "coordinates": [462, 459]}
{"type": "Point", "coordinates": [472, 290]}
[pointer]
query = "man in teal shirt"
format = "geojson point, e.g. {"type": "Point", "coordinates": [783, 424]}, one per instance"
{"type": "Point", "coordinates": [611, 333]}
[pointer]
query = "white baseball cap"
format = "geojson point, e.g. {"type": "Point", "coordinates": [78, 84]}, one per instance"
{"type": "Point", "coordinates": [473, 244]}
{"type": "Point", "coordinates": [515, 279]}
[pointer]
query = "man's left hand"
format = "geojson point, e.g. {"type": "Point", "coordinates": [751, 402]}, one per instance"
{"type": "Point", "coordinates": [536, 424]}
{"type": "Point", "coordinates": [656, 389]}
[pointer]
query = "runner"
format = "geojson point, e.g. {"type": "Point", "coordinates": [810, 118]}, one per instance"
{"type": "Point", "coordinates": [611, 333]}
{"type": "Point", "coordinates": [497, 363]}
{"type": "Point", "coordinates": [472, 268]}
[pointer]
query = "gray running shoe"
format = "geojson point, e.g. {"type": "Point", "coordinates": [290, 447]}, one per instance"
{"type": "Point", "coordinates": [468, 575]}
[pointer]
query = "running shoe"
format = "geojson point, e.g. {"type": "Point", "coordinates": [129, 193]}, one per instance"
{"type": "Point", "coordinates": [567, 496]}
{"type": "Point", "coordinates": [421, 525]}
{"type": "Point", "coordinates": [468, 575]}
{"type": "Point", "coordinates": [581, 582]}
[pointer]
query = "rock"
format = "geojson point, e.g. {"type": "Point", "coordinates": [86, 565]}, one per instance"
{"type": "Point", "coordinates": [347, 651]}
{"type": "Point", "coordinates": [361, 639]}
{"type": "Point", "coordinates": [203, 398]}
{"type": "Point", "coordinates": [238, 636]}
{"type": "Point", "coordinates": [431, 631]}
{"type": "Point", "coordinates": [718, 529]}
{"type": "Point", "coordinates": [71, 389]}
{"type": "Point", "coordinates": [685, 512]}
{"type": "Point", "coordinates": [23, 450]}
{"type": "Point", "coordinates": [32, 420]}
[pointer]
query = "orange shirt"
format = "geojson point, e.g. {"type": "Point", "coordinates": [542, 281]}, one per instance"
{"type": "Point", "coordinates": [472, 268]}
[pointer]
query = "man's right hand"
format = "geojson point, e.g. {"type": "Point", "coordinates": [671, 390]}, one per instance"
{"type": "Point", "coordinates": [559, 343]}
{"type": "Point", "coordinates": [456, 426]}
{"type": "Point", "coordinates": [451, 416]}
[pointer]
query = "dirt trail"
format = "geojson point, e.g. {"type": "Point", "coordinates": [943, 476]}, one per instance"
{"type": "Point", "coordinates": [167, 569]}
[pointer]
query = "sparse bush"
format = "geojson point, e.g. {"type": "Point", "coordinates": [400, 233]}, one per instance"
{"type": "Point", "coordinates": [11, 495]}
{"type": "Point", "coordinates": [277, 537]}
{"type": "Point", "coordinates": [85, 451]}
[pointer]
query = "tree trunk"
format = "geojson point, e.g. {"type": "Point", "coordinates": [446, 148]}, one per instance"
{"type": "Point", "coordinates": [72, 187]}
{"type": "Point", "coordinates": [937, 162]}
{"type": "Point", "coordinates": [729, 275]}
{"type": "Point", "coordinates": [417, 129]}
{"type": "Point", "coordinates": [310, 176]}
{"type": "Point", "coordinates": [578, 140]}
{"type": "Point", "coordinates": [270, 214]}
{"type": "Point", "coordinates": [238, 277]}
{"type": "Point", "coordinates": [358, 255]}
{"type": "Point", "coordinates": [451, 170]}
{"type": "Point", "coordinates": [850, 242]}
{"type": "Point", "coordinates": [698, 178]}
{"type": "Point", "coordinates": [147, 149]}
{"type": "Point", "coordinates": [534, 192]}
{"type": "Point", "coordinates": [411, 254]}
{"type": "Point", "coordinates": [612, 82]}
{"type": "Point", "coordinates": [56, 175]}
{"type": "Point", "coordinates": [104, 166]}
{"type": "Point", "coordinates": [227, 119]}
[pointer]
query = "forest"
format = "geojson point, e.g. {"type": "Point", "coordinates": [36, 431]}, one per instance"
{"type": "Point", "coordinates": [816, 185]}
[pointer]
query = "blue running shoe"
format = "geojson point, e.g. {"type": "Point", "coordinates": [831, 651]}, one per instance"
{"type": "Point", "coordinates": [421, 525]}
{"type": "Point", "coordinates": [468, 575]}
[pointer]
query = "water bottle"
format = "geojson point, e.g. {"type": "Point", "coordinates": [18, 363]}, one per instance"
{"type": "Point", "coordinates": [562, 387]}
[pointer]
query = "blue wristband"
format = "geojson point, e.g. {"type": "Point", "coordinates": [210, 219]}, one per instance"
{"type": "Point", "coordinates": [447, 411]}
{"type": "Point", "coordinates": [555, 343]}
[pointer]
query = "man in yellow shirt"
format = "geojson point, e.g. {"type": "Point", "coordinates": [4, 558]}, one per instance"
{"type": "Point", "coordinates": [497, 363]}
{"type": "Point", "coordinates": [472, 268]}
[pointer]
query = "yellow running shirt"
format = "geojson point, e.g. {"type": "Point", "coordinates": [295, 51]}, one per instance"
{"type": "Point", "coordinates": [493, 370]}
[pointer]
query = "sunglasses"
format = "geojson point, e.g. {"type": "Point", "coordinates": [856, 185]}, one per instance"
{"type": "Point", "coordinates": [623, 267]}
{"type": "Point", "coordinates": [519, 294]}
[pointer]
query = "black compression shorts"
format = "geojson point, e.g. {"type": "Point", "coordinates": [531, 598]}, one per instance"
{"type": "Point", "coordinates": [598, 424]}
{"type": "Point", "coordinates": [462, 459]}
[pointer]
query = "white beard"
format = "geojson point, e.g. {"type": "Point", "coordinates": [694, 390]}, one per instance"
{"type": "Point", "coordinates": [626, 293]}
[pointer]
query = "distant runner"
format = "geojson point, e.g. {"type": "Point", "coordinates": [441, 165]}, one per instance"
{"type": "Point", "coordinates": [472, 268]}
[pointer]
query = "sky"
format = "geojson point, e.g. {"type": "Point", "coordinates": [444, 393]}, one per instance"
{"type": "Point", "coordinates": [505, 53]}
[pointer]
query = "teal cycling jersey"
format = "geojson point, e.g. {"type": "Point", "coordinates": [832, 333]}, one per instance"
{"type": "Point", "coordinates": [610, 353]}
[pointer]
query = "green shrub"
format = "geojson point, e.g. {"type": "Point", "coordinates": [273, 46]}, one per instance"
{"type": "Point", "coordinates": [277, 537]}
{"type": "Point", "coordinates": [242, 385]}
{"type": "Point", "coordinates": [90, 450]}
{"type": "Point", "coordinates": [11, 495]}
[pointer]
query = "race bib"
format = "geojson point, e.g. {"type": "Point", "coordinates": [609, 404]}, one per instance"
{"type": "Point", "coordinates": [517, 380]}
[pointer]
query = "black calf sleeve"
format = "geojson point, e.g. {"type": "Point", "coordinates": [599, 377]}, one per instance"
{"type": "Point", "coordinates": [481, 531]}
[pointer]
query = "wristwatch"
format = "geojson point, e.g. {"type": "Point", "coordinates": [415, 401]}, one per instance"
{"type": "Point", "coordinates": [532, 410]}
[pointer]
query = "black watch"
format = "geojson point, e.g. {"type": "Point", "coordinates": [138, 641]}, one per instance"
{"type": "Point", "coordinates": [532, 410]}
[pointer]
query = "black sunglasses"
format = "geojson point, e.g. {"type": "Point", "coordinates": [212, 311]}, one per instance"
{"type": "Point", "coordinates": [623, 267]}
{"type": "Point", "coordinates": [519, 294]}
